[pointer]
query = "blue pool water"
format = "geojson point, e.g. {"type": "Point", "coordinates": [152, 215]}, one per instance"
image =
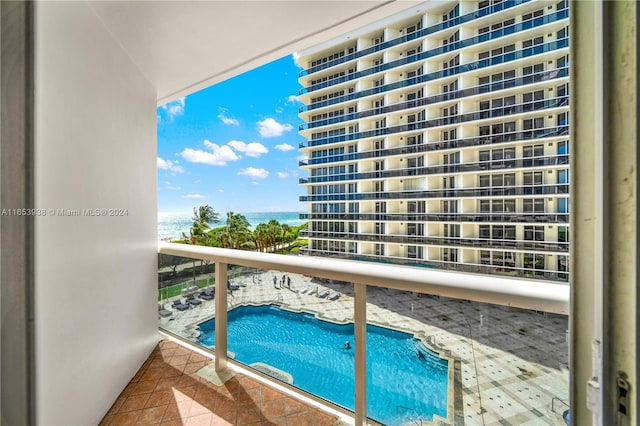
{"type": "Point", "coordinates": [401, 386]}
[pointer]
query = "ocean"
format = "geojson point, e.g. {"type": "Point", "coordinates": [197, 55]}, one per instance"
{"type": "Point", "coordinates": [173, 225]}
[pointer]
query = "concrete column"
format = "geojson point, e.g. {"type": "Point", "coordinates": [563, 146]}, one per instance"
{"type": "Point", "coordinates": [221, 316]}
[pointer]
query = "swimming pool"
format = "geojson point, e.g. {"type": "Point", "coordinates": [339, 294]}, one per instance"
{"type": "Point", "coordinates": [401, 386]}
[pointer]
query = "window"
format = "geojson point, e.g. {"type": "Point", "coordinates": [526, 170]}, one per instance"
{"type": "Point", "coordinates": [379, 249]}
{"type": "Point", "coordinates": [532, 178]}
{"type": "Point", "coordinates": [450, 206]}
{"type": "Point", "coordinates": [450, 255]}
{"type": "Point", "coordinates": [532, 42]}
{"type": "Point", "coordinates": [533, 69]}
{"type": "Point", "coordinates": [531, 15]}
{"type": "Point", "coordinates": [533, 205]}
{"type": "Point", "coordinates": [534, 233]}
{"type": "Point", "coordinates": [452, 230]}
{"type": "Point", "coordinates": [414, 252]}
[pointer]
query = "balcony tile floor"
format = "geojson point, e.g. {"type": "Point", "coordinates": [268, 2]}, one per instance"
{"type": "Point", "coordinates": [167, 391]}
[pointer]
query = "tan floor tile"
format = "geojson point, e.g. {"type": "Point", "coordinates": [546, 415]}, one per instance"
{"type": "Point", "coordinates": [151, 416]}
{"type": "Point", "coordinates": [291, 406]}
{"type": "Point", "coordinates": [273, 409]}
{"type": "Point", "coordinates": [177, 411]}
{"type": "Point", "coordinates": [125, 419]}
{"type": "Point", "coordinates": [299, 419]}
{"type": "Point", "coordinates": [135, 402]}
{"type": "Point", "coordinates": [157, 398]}
{"type": "Point", "coordinates": [147, 386]}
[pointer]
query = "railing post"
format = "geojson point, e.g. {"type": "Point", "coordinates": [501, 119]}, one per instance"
{"type": "Point", "coordinates": [221, 316]}
{"type": "Point", "coordinates": [360, 358]}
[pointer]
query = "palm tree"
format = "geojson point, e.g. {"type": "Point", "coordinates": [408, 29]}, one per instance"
{"type": "Point", "coordinates": [237, 229]}
{"type": "Point", "coordinates": [203, 216]}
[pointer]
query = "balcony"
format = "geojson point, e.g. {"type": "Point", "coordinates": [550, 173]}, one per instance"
{"type": "Point", "coordinates": [548, 132]}
{"type": "Point", "coordinates": [417, 34]}
{"type": "Point", "coordinates": [519, 163]}
{"type": "Point", "coordinates": [512, 29]}
{"type": "Point", "coordinates": [484, 63]}
{"type": "Point", "coordinates": [485, 88]}
{"type": "Point", "coordinates": [518, 217]}
{"type": "Point", "coordinates": [449, 120]}
{"type": "Point", "coordinates": [441, 193]}
{"type": "Point", "coordinates": [406, 299]}
{"type": "Point", "coordinates": [444, 241]}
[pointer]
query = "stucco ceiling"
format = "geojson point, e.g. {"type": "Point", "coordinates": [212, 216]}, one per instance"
{"type": "Point", "coordinates": [185, 46]}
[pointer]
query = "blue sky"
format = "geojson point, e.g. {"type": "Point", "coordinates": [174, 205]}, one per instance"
{"type": "Point", "coordinates": [233, 145]}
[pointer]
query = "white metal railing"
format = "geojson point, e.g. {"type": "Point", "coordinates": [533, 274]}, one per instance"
{"type": "Point", "coordinates": [521, 293]}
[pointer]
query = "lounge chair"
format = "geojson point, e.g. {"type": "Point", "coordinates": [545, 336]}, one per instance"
{"type": "Point", "coordinates": [193, 301]}
{"type": "Point", "coordinates": [323, 293]}
{"type": "Point", "coordinates": [306, 289]}
{"type": "Point", "coordinates": [206, 295]}
{"type": "Point", "coordinates": [164, 312]}
{"type": "Point", "coordinates": [177, 304]}
{"type": "Point", "coordinates": [333, 296]}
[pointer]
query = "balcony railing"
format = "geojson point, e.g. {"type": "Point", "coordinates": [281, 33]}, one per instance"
{"type": "Point", "coordinates": [516, 217]}
{"type": "Point", "coordinates": [507, 267]}
{"type": "Point", "coordinates": [560, 189]}
{"type": "Point", "coordinates": [484, 63]}
{"type": "Point", "coordinates": [249, 283]}
{"type": "Point", "coordinates": [512, 29]}
{"type": "Point", "coordinates": [514, 244]}
{"type": "Point", "coordinates": [414, 35]}
{"type": "Point", "coordinates": [484, 88]}
{"type": "Point", "coordinates": [447, 121]}
{"type": "Point", "coordinates": [517, 163]}
{"type": "Point", "coordinates": [548, 132]}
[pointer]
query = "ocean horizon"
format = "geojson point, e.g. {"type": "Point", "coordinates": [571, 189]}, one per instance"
{"type": "Point", "coordinates": [171, 225]}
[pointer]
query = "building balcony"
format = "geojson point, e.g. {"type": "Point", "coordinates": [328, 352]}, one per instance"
{"type": "Point", "coordinates": [415, 35]}
{"type": "Point", "coordinates": [511, 164]}
{"type": "Point", "coordinates": [548, 132]}
{"type": "Point", "coordinates": [434, 328]}
{"type": "Point", "coordinates": [485, 88]}
{"type": "Point", "coordinates": [502, 32]}
{"type": "Point", "coordinates": [519, 217]}
{"type": "Point", "coordinates": [556, 189]}
{"type": "Point", "coordinates": [485, 243]}
{"type": "Point", "coordinates": [528, 107]}
{"type": "Point", "coordinates": [484, 63]}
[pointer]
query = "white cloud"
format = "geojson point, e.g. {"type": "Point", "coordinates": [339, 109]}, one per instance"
{"type": "Point", "coordinates": [302, 157]}
{"type": "Point", "coordinates": [284, 147]}
{"type": "Point", "coordinates": [228, 120]}
{"type": "Point", "coordinates": [218, 155]}
{"type": "Point", "coordinates": [252, 149]}
{"type": "Point", "coordinates": [283, 175]}
{"type": "Point", "coordinates": [270, 128]}
{"type": "Point", "coordinates": [174, 108]}
{"type": "Point", "coordinates": [169, 165]}
{"type": "Point", "coordinates": [255, 173]}
{"type": "Point", "coordinates": [296, 57]}
{"type": "Point", "coordinates": [173, 188]}
{"type": "Point", "coordinates": [220, 190]}
{"type": "Point", "coordinates": [293, 99]}
{"type": "Point", "coordinates": [255, 183]}
{"type": "Point", "coordinates": [194, 196]}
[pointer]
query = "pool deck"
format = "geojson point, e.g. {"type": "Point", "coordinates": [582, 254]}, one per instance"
{"type": "Point", "coordinates": [508, 364]}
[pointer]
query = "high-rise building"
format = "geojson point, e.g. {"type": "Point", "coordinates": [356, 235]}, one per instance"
{"type": "Point", "coordinates": [440, 137]}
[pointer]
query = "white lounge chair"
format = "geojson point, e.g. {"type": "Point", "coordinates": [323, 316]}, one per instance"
{"type": "Point", "coordinates": [323, 294]}
{"type": "Point", "coordinates": [333, 296]}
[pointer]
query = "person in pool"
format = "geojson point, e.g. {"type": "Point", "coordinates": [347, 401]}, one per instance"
{"type": "Point", "coordinates": [347, 345]}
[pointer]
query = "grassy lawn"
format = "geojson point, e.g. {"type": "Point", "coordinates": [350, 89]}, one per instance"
{"type": "Point", "coordinates": [176, 289]}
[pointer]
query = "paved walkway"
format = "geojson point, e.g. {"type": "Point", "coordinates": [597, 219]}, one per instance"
{"type": "Point", "coordinates": [508, 364]}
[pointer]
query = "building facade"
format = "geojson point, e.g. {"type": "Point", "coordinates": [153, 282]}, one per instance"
{"type": "Point", "coordinates": [440, 137]}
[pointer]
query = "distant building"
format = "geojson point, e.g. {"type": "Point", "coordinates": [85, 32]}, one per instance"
{"type": "Point", "coordinates": [440, 137]}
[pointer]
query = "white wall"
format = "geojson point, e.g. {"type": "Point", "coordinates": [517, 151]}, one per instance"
{"type": "Point", "coordinates": [95, 277]}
